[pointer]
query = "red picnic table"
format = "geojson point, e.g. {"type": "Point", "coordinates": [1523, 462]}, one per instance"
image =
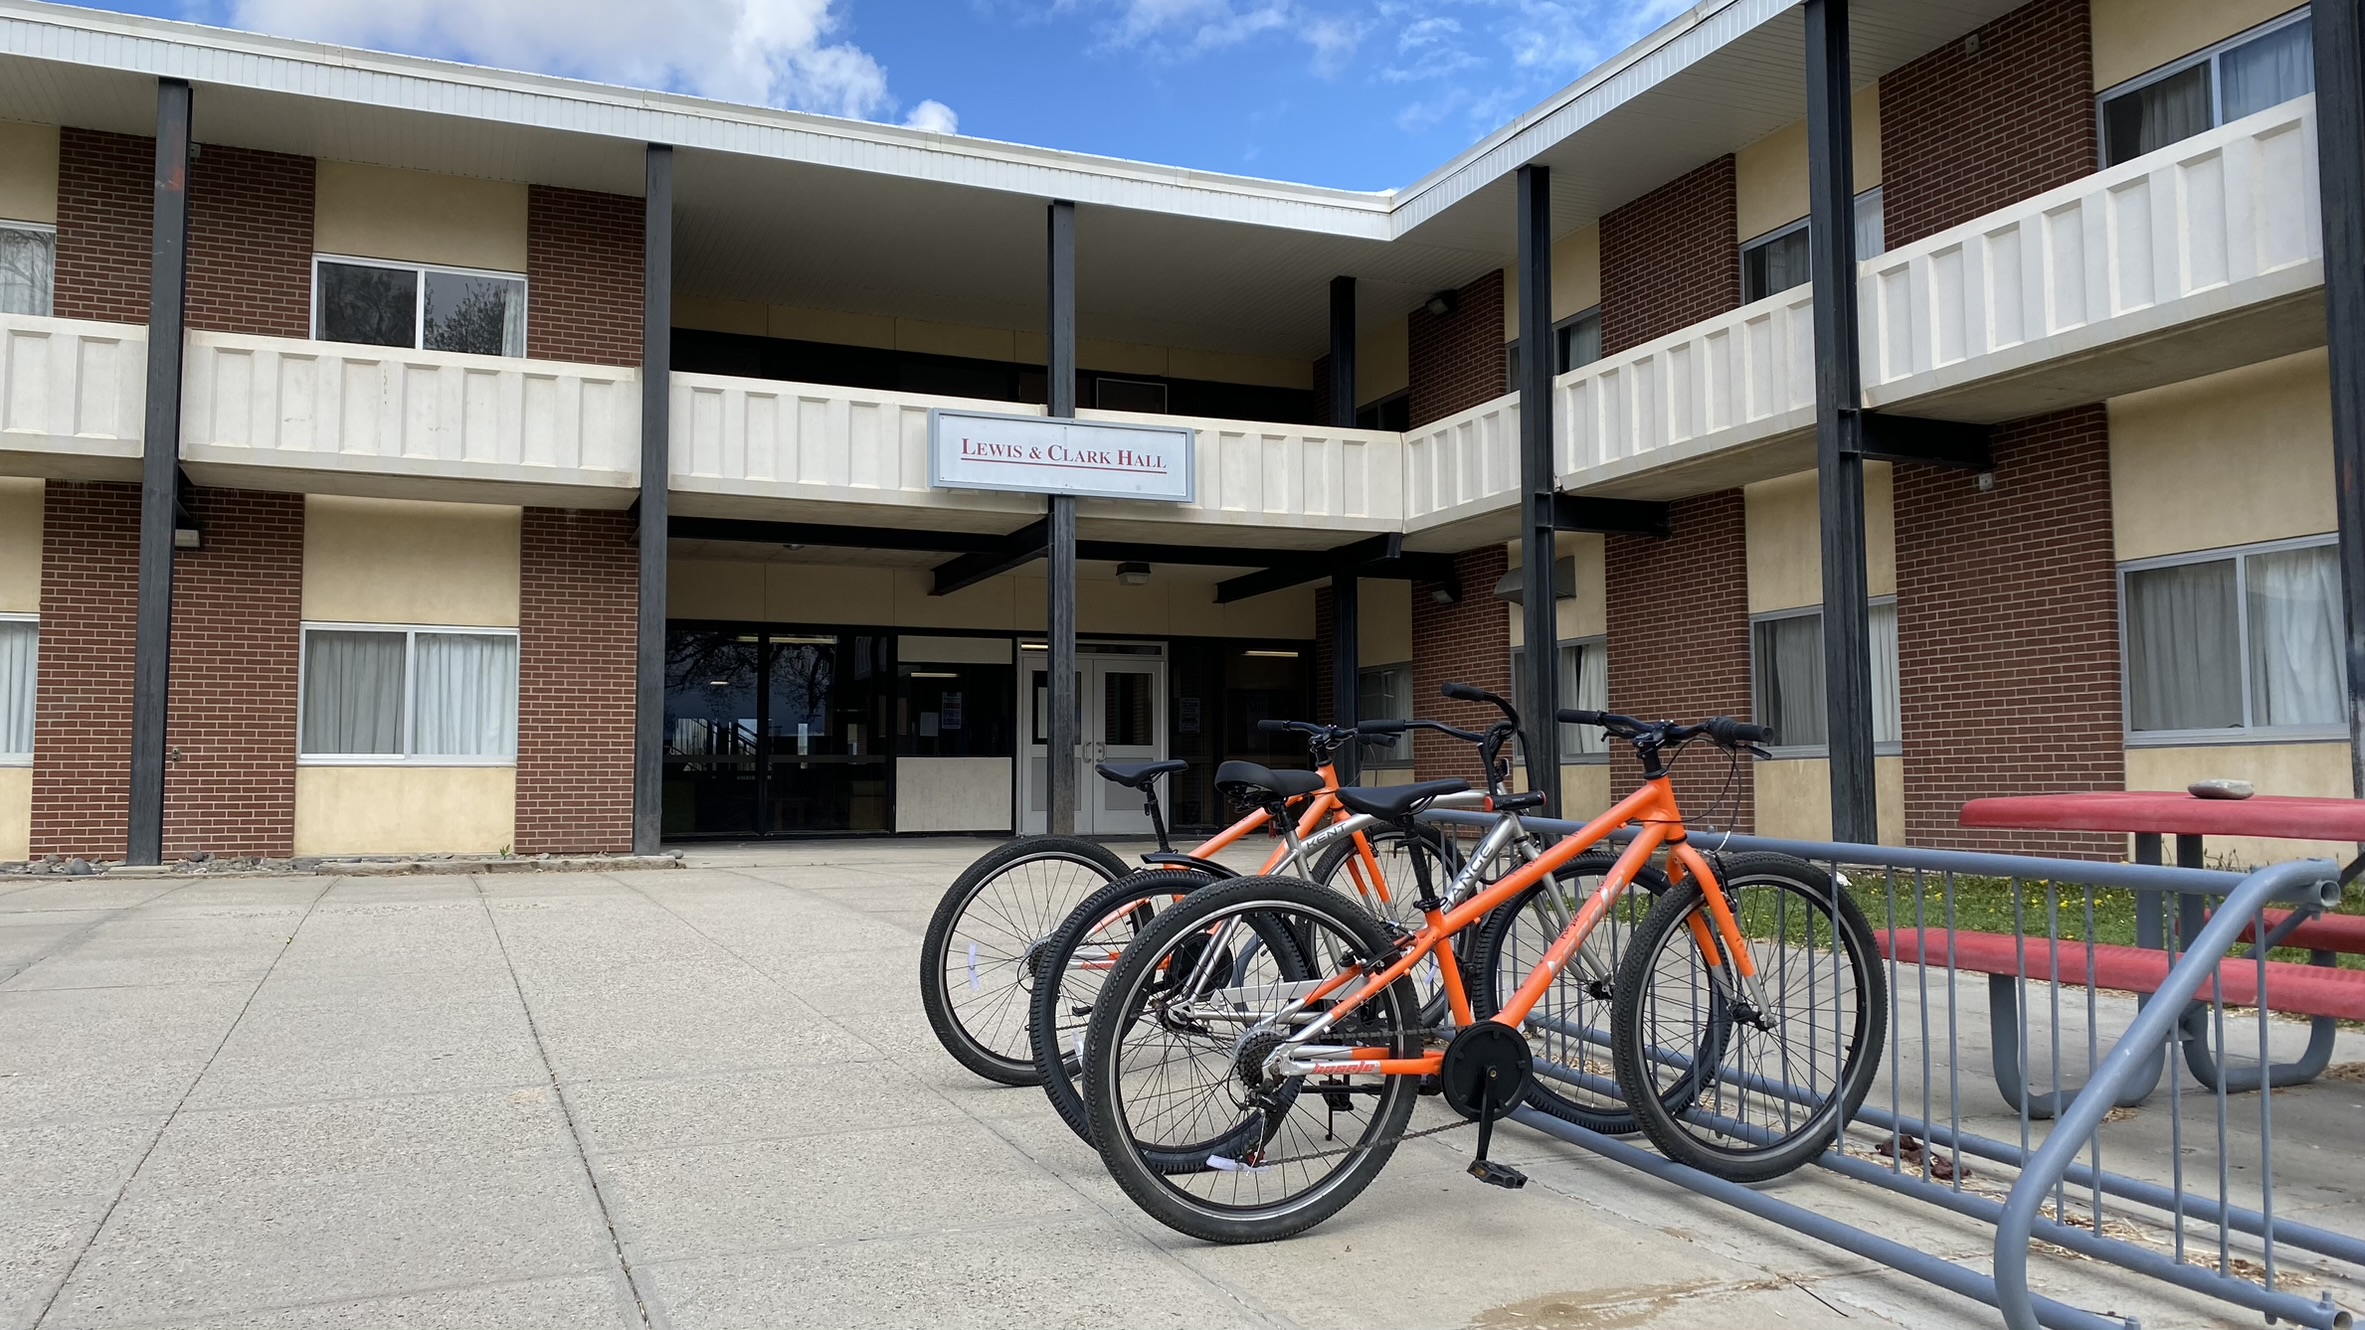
{"type": "Point", "coordinates": [2149, 816]}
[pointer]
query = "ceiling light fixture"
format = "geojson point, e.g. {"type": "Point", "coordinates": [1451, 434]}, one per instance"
{"type": "Point", "coordinates": [1443, 303]}
{"type": "Point", "coordinates": [1133, 574]}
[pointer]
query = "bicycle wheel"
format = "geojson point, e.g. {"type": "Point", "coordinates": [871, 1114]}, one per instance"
{"type": "Point", "coordinates": [1801, 1049]}
{"type": "Point", "coordinates": [1390, 897]}
{"type": "Point", "coordinates": [977, 959]}
{"type": "Point", "coordinates": [1169, 1062]}
{"type": "Point", "coordinates": [1568, 1030]}
{"type": "Point", "coordinates": [1081, 953]}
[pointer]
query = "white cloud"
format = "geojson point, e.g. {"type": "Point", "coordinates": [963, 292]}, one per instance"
{"type": "Point", "coordinates": [935, 117]}
{"type": "Point", "coordinates": [767, 52]}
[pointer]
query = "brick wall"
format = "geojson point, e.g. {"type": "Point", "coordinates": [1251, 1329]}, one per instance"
{"type": "Point", "coordinates": [577, 607]}
{"type": "Point", "coordinates": [2008, 638]}
{"type": "Point", "coordinates": [1679, 646]}
{"type": "Point", "coordinates": [237, 611]}
{"type": "Point", "coordinates": [1670, 258]}
{"type": "Point", "coordinates": [90, 586]}
{"type": "Point", "coordinates": [583, 276]}
{"type": "Point", "coordinates": [1468, 642]}
{"type": "Point", "coordinates": [1986, 121]}
{"type": "Point", "coordinates": [250, 242]}
{"type": "Point", "coordinates": [106, 185]}
{"type": "Point", "coordinates": [1456, 361]}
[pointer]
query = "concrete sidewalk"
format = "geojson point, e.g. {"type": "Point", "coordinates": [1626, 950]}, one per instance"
{"type": "Point", "coordinates": [707, 1098]}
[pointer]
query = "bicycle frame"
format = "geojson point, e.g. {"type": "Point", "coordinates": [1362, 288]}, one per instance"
{"type": "Point", "coordinates": [1653, 807]}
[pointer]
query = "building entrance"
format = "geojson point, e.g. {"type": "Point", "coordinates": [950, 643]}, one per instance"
{"type": "Point", "coordinates": [1121, 705]}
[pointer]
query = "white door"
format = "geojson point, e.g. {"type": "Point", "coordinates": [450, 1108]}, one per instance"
{"type": "Point", "coordinates": [1121, 717]}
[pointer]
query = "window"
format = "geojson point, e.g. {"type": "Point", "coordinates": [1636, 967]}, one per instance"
{"type": "Point", "coordinates": [1777, 261]}
{"type": "Point", "coordinates": [1576, 340]}
{"type": "Point", "coordinates": [1583, 683]}
{"type": "Point", "coordinates": [1142, 395]}
{"type": "Point", "coordinates": [956, 710]}
{"type": "Point", "coordinates": [1393, 412]}
{"type": "Point", "coordinates": [2266, 66]}
{"type": "Point", "coordinates": [443, 696]}
{"type": "Point", "coordinates": [1384, 692]}
{"type": "Point", "coordinates": [28, 268]}
{"type": "Point", "coordinates": [2236, 643]}
{"type": "Point", "coordinates": [1786, 652]}
{"type": "Point", "coordinates": [407, 305]}
{"type": "Point", "coordinates": [20, 655]}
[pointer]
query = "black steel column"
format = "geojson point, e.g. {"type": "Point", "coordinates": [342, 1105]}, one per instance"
{"type": "Point", "coordinates": [1059, 576]}
{"type": "Point", "coordinates": [160, 471]}
{"type": "Point", "coordinates": [1839, 397]}
{"type": "Point", "coordinates": [1342, 351]}
{"type": "Point", "coordinates": [648, 728]}
{"type": "Point", "coordinates": [2340, 129]}
{"type": "Point", "coordinates": [1538, 536]}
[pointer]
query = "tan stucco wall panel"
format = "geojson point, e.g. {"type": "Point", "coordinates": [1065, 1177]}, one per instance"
{"type": "Point", "coordinates": [952, 794]}
{"type": "Point", "coordinates": [1786, 539]}
{"type": "Point", "coordinates": [1770, 175]}
{"type": "Point", "coordinates": [1383, 360]}
{"type": "Point", "coordinates": [1576, 271]}
{"type": "Point", "coordinates": [16, 813]}
{"type": "Point", "coordinates": [1583, 615]}
{"type": "Point", "coordinates": [2226, 459]}
{"type": "Point", "coordinates": [375, 212]}
{"type": "Point", "coordinates": [1585, 792]}
{"type": "Point", "coordinates": [2314, 770]}
{"type": "Point", "coordinates": [2133, 37]}
{"type": "Point", "coordinates": [1383, 621]}
{"type": "Point", "coordinates": [405, 810]}
{"type": "Point", "coordinates": [406, 561]}
{"type": "Point", "coordinates": [20, 546]}
{"type": "Point", "coordinates": [28, 172]}
{"type": "Point", "coordinates": [1794, 798]}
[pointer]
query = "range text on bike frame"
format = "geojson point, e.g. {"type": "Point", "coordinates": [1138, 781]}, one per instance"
{"type": "Point", "coordinates": [977, 450]}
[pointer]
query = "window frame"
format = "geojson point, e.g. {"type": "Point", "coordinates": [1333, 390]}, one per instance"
{"type": "Point", "coordinates": [1787, 229]}
{"type": "Point", "coordinates": [10, 760]}
{"type": "Point", "coordinates": [1757, 702]}
{"type": "Point", "coordinates": [40, 228]}
{"type": "Point", "coordinates": [2246, 733]}
{"type": "Point", "coordinates": [410, 691]}
{"type": "Point", "coordinates": [1511, 349]}
{"type": "Point", "coordinates": [419, 298]}
{"type": "Point", "coordinates": [1393, 757]}
{"type": "Point", "coordinates": [2209, 55]}
{"type": "Point", "coordinates": [1569, 756]}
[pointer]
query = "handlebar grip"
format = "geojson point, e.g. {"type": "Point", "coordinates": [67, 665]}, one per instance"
{"type": "Point", "coordinates": [1291, 727]}
{"type": "Point", "coordinates": [1382, 727]}
{"type": "Point", "coordinates": [1462, 692]}
{"type": "Point", "coordinates": [1573, 716]}
{"type": "Point", "coordinates": [1728, 731]}
{"type": "Point", "coordinates": [1273, 726]}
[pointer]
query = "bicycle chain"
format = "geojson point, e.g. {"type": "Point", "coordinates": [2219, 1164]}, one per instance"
{"type": "Point", "coordinates": [1399, 1139]}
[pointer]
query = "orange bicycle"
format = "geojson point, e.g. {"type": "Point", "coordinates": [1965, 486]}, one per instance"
{"type": "Point", "coordinates": [978, 959]}
{"type": "Point", "coordinates": [1747, 1016]}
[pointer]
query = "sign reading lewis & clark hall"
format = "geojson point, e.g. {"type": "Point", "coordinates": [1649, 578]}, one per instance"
{"type": "Point", "coordinates": [975, 450]}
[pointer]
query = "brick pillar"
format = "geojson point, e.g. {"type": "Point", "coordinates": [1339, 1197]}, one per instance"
{"type": "Point", "coordinates": [583, 276]}
{"type": "Point", "coordinates": [1988, 120]}
{"type": "Point", "coordinates": [90, 586]}
{"type": "Point", "coordinates": [578, 599]}
{"type": "Point", "coordinates": [1456, 360]}
{"type": "Point", "coordinates": [1670, 258]}
{"type": "Point", "coordinates": [250, 242]}
{"type": "Point", "coordinates": [1679, 646]}
{"type": "Point", "coordinates": [1468, 642]}
{"type": "Point", "coordinates": [2008, 633]}
{"type": "Point", "coordinates": [106, 185]}
{"type": "Point", "coordinates": [237, 612]}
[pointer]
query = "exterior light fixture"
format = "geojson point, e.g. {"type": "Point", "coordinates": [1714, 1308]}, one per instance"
{"type": "Point", "coordinates": [1445, 593]}
{"type": "Point", "coordinates": [1444, 303]}
{"type": "Point", "coordinates": [1271, 655]}
{"type": "Point", "coordinates": [1133, 574]}
{"type": "Point", "coordinates": [187, 538]}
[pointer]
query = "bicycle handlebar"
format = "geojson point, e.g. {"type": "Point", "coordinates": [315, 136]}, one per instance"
{"type": "Point", "coordinates": [1723, 731]}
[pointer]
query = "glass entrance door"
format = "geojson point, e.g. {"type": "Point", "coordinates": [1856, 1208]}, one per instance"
{"type": "Point", "coordinates": [777, 732]}
{"type": "Point", "coordinates": [1121, 717]}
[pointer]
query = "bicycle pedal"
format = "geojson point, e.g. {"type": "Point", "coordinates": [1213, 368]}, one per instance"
{"type": "Point", "coordinates": [1497, 1175]}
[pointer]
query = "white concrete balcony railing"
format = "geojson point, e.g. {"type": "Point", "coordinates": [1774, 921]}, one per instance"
{"type": "Point", "coordinates": [282, 412]}
{"type": "Point", "coordinates": [1463, 468]}
{"type": "Point", "coordinates": [1723, 384]}
{"type": "Point", "coordinates": [2213, 240]}
{"type": "Point", "coordinates": [73, 390]}
{"type": "Point", "coordinates": [814, 452]}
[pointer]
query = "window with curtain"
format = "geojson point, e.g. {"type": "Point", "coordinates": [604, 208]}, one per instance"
{"type": "Point", "coordinates": [28, 268]}
{"type": "Point", "coordinates": [1576, 340]}
{"type": "Point", "coordinates": [1777, 261]}
{"type": "Point", "coordinates": [20, 654]}
{"type": "Point", "coordinates": [1384, 692]}
{"type": "Point", "coordinates": [1786, 651]}
{"type": "Point", "coordinates": [2246, 74]}
{"type": "Point", "coordinates": [419, 307]}
{"type": "Point", "coordinates": [1583, 683]}
{"type": "Point", "coordinates": [2233, 643]}
{"type": "Point", "coordinates": [398, 694]}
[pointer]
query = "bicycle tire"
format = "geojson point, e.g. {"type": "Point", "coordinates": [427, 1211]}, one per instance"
{"type": "Point", "coordinates": [1716, 1132]}
{"type": "Point", "coordinates": [1574, 1016]}
{"type": "Point", "coordinates": [992, 1054]}
{"type": "Point", "coordinates": [1149, 1181]}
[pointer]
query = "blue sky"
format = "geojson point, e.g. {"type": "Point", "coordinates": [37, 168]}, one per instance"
{"type": "Point", "coordinates": [1364, 94]}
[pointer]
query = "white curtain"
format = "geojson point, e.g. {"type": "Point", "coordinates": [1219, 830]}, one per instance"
{"type": "Point", "coordinates": [2270, 71]}
{"type": "Point", "coordinates": [1585, 684]}
{"type": "Point", "coordinates": [352, 692]}
{"type": "Point", "coordinates": [1790, 679]}
{"type": "Point", "coordinates": [20, 653]}
{"type": "Point", "coordinates": [2184, 648]}
{"type": "Point", "coordinates": [1871, 224]}
{"type": "Point", "coordinates": [466, 696]}
{"type": "Point", "coordinates": [2157, 114]}
{"type": "Point", "coordinates": [513, 321]}
{"type": "Point", "coordinates": [28, 264]}
{"type": "Point", "coordinates": [1888, 722]}
{"type": "Point", "coordinates": [2295, 638]}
